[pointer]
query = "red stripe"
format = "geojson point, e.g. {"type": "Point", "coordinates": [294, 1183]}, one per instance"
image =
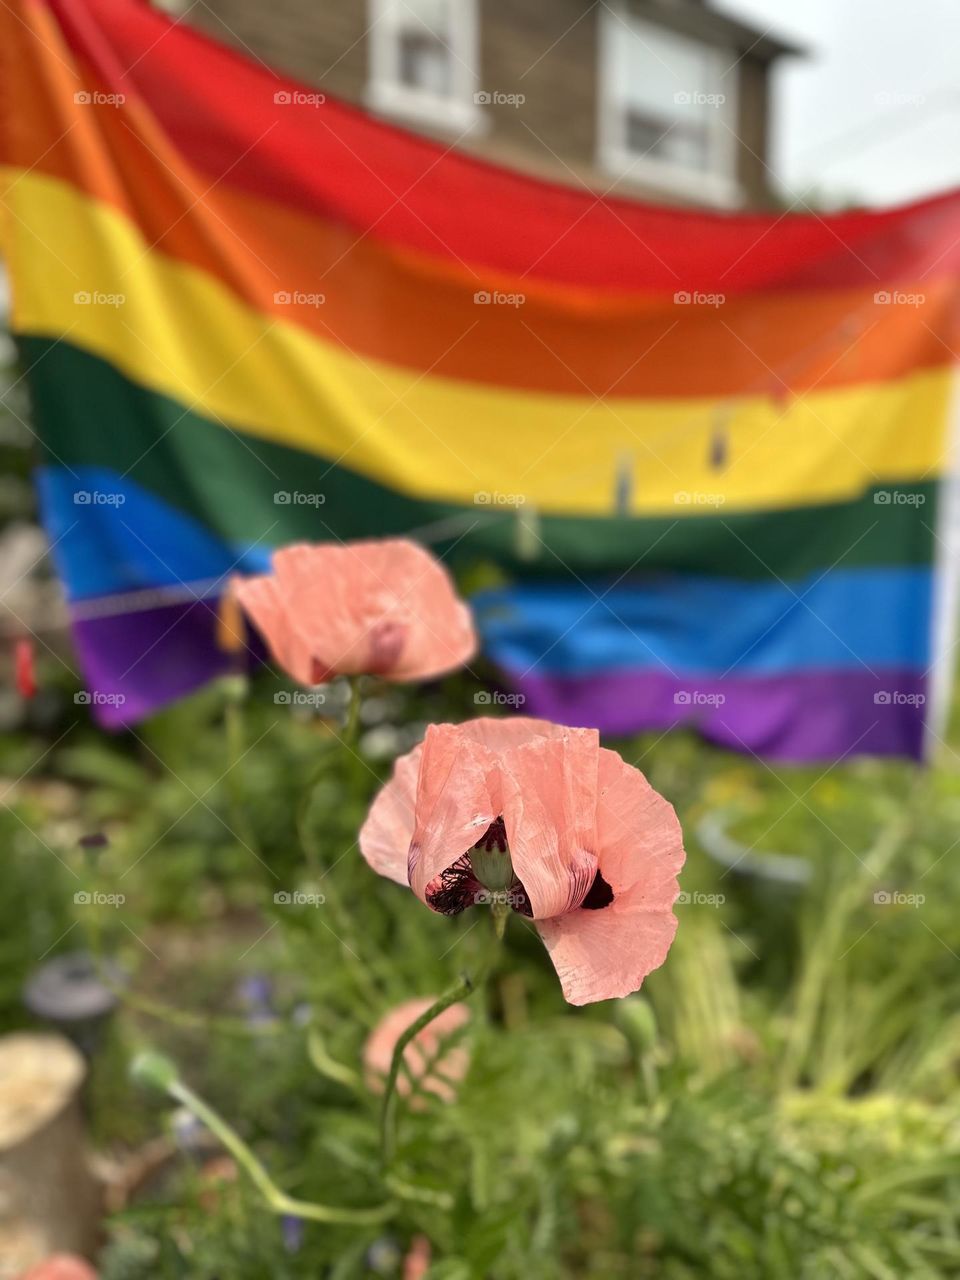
{"type": "Point", "coordinates": [218, 109]}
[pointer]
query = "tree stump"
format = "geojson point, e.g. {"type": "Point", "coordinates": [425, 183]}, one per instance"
{"type": "Point", "coordinates": [49, 1198]}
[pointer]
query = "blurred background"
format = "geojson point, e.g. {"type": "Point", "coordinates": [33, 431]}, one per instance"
{"type": "Point", "coordinates": [781, 1100]}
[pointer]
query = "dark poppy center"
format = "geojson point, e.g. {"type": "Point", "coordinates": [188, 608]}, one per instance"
{"type": "Point", "coordinates": [484, 876]}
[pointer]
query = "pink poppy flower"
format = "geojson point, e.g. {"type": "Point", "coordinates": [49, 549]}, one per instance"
{"type": "Point", "coordinates": [61, 1266]}
{"type": "Point", "coordinates": [385, 607]}
{"type": "Point", "coordinates": [417, 1262]}
{"type": "Point", "coordinates": [544, 819]}
{"type": "Point", "coordinates": [441, 1078]}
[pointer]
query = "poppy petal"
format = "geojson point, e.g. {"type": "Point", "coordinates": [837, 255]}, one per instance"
{"type": "Point", "coordinates": [262, 598]}
{"type": "Point", "coordinates": [606, 953]}
{"type": "Point", "coordinates": [386, 834]}
{"type": "Point", "coordinates": [458, 797]}
{"type": "Point", "coordinates": [549, 788]}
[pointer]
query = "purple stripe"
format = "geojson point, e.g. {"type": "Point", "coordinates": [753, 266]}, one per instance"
{"type": "Point", "coordinates": [135, 663]}
{"type": "Point", "coordinates": [805, 716]}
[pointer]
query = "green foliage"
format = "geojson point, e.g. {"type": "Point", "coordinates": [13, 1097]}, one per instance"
{"type": "Point", "coordinates": [780, 1102]}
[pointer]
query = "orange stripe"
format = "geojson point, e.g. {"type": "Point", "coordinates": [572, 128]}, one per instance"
{"type": "Point", "coordinates": [399, 307]}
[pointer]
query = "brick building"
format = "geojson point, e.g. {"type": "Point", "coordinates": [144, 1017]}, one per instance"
{"type": "Point", "coordinates": [668, 99]}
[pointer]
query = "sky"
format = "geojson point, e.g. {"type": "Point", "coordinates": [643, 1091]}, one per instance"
{"type": "Point", "coordinates": [872, 116]}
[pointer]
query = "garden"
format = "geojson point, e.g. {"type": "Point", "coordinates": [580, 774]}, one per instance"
{"type": "Point", "coordinates": [189, 903]}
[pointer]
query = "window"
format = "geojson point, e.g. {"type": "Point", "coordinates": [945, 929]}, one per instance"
{"type": "Point", "coordinates": [667, 111]}
{"type": "Point", "coordinates": [423, 57]}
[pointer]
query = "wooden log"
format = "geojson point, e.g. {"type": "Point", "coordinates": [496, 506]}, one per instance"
{"type": "Point", "coordinates": [50, 1201]}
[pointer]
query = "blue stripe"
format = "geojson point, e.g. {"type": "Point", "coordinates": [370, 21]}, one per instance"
{"type": "Point", "coordinates": [124, 539]}
{"type": "Point", "coordinates": [689, 625]}
{"type": "Point", "coordinates": [110, 535]}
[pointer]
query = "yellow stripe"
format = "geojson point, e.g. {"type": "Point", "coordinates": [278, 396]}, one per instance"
{"type": "Point", "coordinates": [182, 333]}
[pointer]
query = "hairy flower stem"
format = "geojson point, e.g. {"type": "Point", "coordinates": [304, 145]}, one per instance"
{"type": "Point", "coordinates": [466, 985]}
{"type": "Point", "coordinates": [233, 715]}
{"type": "Point", "coordinates": [388, 1112]}
{"type": "Point", "coordinates": [501, 913]}
{"type": "Point", "coordinates": [276, 1200]}
{"type": "Point", "coordinates": [351, 741]}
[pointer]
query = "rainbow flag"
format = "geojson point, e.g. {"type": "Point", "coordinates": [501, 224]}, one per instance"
{"type": "Point", "coordinates": [708, 451]}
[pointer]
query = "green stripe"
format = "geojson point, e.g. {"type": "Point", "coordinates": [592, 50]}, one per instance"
{"type": "Point", "coordinates": [88, 413]}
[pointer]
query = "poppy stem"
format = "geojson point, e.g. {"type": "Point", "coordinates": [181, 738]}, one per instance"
{"type": "Point", "coordinates": [388, 1113]}
{"type": "Point", "coordinates": [162, 1073]}
{"type": "Point", "coordinates": [233, 715]}
{"type": "Point", "coordinates": [351, 743]}
{"type": "Point", "coordinates": [500, 914]}
{"type": "Point", "coordinates": [351, 730]}
{"type": "Point", "coordinates": [463, 988]}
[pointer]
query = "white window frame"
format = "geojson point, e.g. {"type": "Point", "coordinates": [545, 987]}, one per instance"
{"type": "Point", "coordinates": [386, 93]}
{"type": "Point", "coordinates": [718, 185]}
